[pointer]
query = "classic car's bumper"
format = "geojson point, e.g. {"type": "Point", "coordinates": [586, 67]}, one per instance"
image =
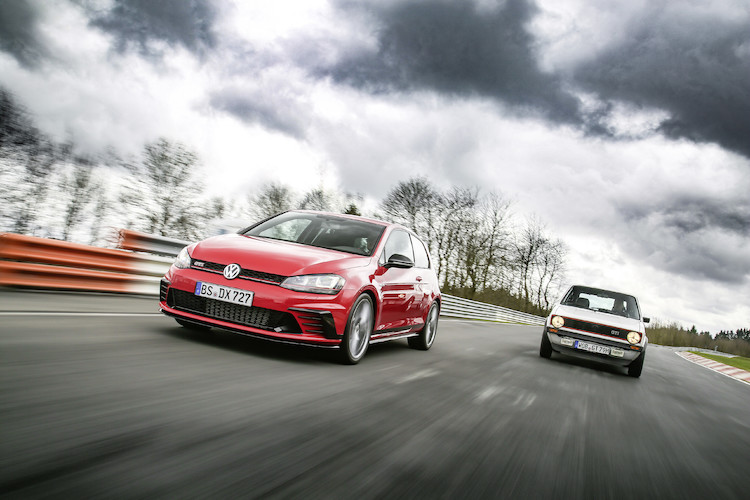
{"type": "Point", "coordinates": [578, 345]}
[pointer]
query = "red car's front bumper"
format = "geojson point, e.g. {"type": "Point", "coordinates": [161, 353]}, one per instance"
{"type": "Point", "coordinates": [276, 313]}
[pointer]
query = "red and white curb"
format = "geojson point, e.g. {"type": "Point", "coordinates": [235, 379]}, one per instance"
{"type": "Point", "coordinates": [729, 371]}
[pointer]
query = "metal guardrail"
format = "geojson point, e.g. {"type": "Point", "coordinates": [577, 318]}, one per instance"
{"type": "Point", "coordinates": [33, 262]}
{"type": "Point", "coordinates": [142, 242]}
{"type": "Point", "coordinates": [458, 307]}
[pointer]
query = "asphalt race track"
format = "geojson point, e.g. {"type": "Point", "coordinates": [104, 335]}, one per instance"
{"type": "Point", "coordinates": [103, 398]}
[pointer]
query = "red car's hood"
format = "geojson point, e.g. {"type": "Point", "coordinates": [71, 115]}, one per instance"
{"type": "Point", "coordinates": [598, 317]}
{"type": "Point", "coordinates": [274, 256]}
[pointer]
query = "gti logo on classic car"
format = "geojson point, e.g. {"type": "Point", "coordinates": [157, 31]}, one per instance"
{"type": "Point", "coordinates": [232, 271]}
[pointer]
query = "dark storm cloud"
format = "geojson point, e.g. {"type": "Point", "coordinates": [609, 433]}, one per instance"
{"type": "Point", "coordinates": [693, 236]}
{"type": "Point", "coordinates": [691, 214]}
{"type": "Point", "coordinates": [18, 31]}
{"type": "Point", "coordinates": [276, 112]}
{"type": "Point", "coordinates": [138, 23]}
{"type": "Point", "coordinates": [456, 48]}
{"type": "Point", "coordinates": [698, 70]}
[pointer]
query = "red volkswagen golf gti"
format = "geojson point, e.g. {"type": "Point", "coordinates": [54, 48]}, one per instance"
{"type": "Point", "coordinates": [309, 278]}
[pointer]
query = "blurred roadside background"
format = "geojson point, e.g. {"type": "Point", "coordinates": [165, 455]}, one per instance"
{"type": "Point", "coordinates": [483, 251]}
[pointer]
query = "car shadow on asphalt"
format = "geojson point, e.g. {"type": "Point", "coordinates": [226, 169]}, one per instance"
{"type": "Point", "coordinates": [603, 368]}
{"type": "Point", "coordinates": [269, 349]}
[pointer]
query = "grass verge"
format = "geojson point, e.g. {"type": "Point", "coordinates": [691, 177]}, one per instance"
{"type": "Point", "coordinates": [738, 362]}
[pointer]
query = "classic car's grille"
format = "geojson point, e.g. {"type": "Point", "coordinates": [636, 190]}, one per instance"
{"type": "Point", "coordinates": [596, 328]}
{"type": "Point", "coordinates": [245, 273]}
{"type": "Point", "coordinates": [257, 317]}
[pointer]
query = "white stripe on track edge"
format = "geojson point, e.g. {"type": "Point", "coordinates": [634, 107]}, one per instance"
{"type": "Point", "coordinates": [713, 369]}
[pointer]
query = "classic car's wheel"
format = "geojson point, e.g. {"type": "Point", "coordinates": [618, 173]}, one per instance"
{"type": "Point", "coordinates": [358, 330]}
{"type": "Point", "coordinates": [545, 349]}
{"type": "Point", "coordinates": [192, 326]}
{"type": "Point", "coordinates": [636, 367]}
{"type": "Point", "coordinates": [426, 336]}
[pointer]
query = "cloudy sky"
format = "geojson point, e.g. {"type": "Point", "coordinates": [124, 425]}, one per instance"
{"type": "Point", "coordinates": [623, 124]}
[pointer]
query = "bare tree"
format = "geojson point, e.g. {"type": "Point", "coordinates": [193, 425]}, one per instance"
{"type": "Point", "coordinates": [34, 185]}
{"type": "Point", "coordinates": [272, 199]}
{"type": "Point", "coordinates": [486, 245]}
{"type": "Point", "coordinates": [101, 208]}
{"type": "Point", "coordinates": [413, 204]}
{"type": "Point", "coordinates": [317, 199]}
{"type": "Point", "coordinates": [80, 190]}
{"type": "Point", "coordinates": [451, 231]}
{"type": "Point", "coordinates": [539, 263]}
{"type": "Point", "coordinates": [526, 250]}
{"type": "Point", "coordinates": [27, 158]}
{"type": "Point", "coordinates": [549, 272]}
{"type": "Point", "coordinates": [165, 196]}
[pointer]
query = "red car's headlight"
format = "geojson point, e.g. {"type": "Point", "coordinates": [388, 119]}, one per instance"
{"type": "Point", "coordinates": [315, 283]}
{"type": "Point", "coordinates": [182, 260]}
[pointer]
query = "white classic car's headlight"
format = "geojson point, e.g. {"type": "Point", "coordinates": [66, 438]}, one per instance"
{"type": "Point", "coordinates": [557, 321]}
{"type": "Point", "coordinates": [315, 283]}
{"type": "Point", "coordinates": [182, 260]}
{"type": "Point", "coordinates": [634, 337]}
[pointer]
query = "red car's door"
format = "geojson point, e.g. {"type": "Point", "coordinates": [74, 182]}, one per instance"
{"type": "Point", "coordinates": [401, 288]}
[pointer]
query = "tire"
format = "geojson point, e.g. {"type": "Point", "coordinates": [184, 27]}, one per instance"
{"type": "Point", "coordinates": [636, 367]}
{"type": "Point", "coordinates": [358, 331]}
{"type": "Point", "coordinates": [545, 349]}
{"type": "Point", "coordinates": [192, 326]}
{"type": "Point", "coordinates": [427, 334]}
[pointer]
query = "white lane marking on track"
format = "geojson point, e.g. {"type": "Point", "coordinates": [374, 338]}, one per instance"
{"type": "Point", "coordinates": [38, 313]}
{"type": "Point", "coordinates": [418, 375]}
{"type": "Point", "coordinates": [486, 393]}
{"type": "Point", "coordinates": [524, 399]}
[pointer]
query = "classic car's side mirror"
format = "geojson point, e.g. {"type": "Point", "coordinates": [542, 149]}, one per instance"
{"type": "Point", "coordinates": [400, 261]}
{"type": "Point", "coordinates": [647, 320]}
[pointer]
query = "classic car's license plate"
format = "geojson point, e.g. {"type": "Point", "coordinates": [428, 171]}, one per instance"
{"type": "Point", "coordinates": [599, 349]}
{"type": "Point", "coordinates": [224, 293]}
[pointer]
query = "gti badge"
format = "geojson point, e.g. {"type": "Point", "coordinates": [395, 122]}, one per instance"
{"type": "Point", "coordinates": [232, 271]}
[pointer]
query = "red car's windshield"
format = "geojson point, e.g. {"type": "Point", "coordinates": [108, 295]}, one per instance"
{"type": "Point", "coordinates": [324, 231]}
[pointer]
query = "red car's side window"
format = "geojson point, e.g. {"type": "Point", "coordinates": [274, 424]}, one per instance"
{"type": "Point", "coordinates": [421, 257]}
{"type": "Point", "coordinates": [399, 243]}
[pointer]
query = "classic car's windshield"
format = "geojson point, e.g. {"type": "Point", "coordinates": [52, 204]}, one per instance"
{"type": "Point", "coordinates": [602, 301]}
{"type": "Point", "coordinates": [324, 231]}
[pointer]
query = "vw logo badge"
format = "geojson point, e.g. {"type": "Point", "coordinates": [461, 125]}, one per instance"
{"type": "Point", "coordinates": [232, 271]}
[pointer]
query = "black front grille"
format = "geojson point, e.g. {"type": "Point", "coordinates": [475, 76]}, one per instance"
{"type": "Point", "coordinates": [210, 266]}
{"type": "Point", "coordinates": [261, 276]}
{"type": "Point", "coordinates": [245, 273]}
{"type": "Point", "coordinates": [586, 326]}
{"type": "Point", "coordinates": [256, 317]}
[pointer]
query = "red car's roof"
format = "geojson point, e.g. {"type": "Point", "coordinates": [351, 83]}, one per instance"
{"type": "Point", "coordinates": [347, 216]}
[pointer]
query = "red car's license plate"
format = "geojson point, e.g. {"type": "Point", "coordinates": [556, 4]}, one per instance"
{"type": "Point", "coordinates": [224, 293]}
